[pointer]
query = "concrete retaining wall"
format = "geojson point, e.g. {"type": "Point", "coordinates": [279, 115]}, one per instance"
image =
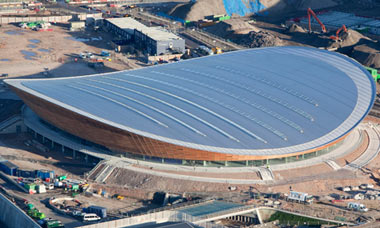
{"type": "Point", "coordinates": [13, 216]}
{"type": "Point", "coordinates": [12, 125]}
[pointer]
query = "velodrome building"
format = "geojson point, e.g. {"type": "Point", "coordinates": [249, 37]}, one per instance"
{"type": "Point", "coordinates": [244, 108]}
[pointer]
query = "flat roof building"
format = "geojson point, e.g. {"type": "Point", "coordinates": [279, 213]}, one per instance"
{"type": "Point", "coordinates": [243, 106]}
{"type": "Point", "coordinates": [153, 40]}
{"type": "Point", "coordinates": [157, 41]}
{"type": "Point", "coordinates": [124, 26]}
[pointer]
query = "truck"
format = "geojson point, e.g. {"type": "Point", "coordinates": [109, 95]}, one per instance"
{"type": "Point", "coordinates": [53, 224]}
{"type": "Point", "coordinates": [100, 211]}
{"type": "Point", "coordinates": [357, 207]}
{"type": "Point", "coordinates": [300, 197]}
{"type": "Point", "coordinates": [217, 50]}
{"type": "Point", "coordinates": [205, 50]}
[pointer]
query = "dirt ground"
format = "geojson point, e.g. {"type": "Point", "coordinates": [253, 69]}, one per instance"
{"type": "Point", "coordinates": [198, 10]}
{"type": "Point", "coordinates": [26, 53]}
{"type": "Point", "coordinates": [12, 148]}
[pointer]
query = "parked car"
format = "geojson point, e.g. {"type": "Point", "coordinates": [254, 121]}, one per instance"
{"type": "Point", "coordinates": [365, 186]}
{"type": "Point", "coordinates": [78, 213]}
{"type": "Point", "coordinates": [90, 217]}
{"type": "Point", "coordinates": [355, 188]}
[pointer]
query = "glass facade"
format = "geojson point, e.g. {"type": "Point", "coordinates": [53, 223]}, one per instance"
{"type": "Point", "coordinates": [247, 163]}
{"type": "Point", "coordinates": [199, 163]}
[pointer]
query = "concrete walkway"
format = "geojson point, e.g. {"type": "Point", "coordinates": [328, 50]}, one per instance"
{"type": "Point", "coordinates": [105, 173]}
{"type": "Point", "coordinates": [266, 174]}
{"type": "Point", "coordinates": [128, 166]}
{"type": "Point", "coordinates": [333, 164]}
{"type": "Point", "coordinates": [371, 152]}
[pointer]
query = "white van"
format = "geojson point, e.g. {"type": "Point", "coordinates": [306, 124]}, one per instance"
{"type": "Point", "coordinates": [91, 217]}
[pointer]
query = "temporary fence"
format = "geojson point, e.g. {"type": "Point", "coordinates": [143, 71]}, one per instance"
{"type": "Point", "coordinates": [8, 20]}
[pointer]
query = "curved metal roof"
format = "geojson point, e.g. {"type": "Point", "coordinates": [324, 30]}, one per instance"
{"type": "Point", "coordinates": [267, 101]}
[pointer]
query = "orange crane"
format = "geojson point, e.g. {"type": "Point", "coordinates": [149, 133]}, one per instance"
{"type": "Point", "coordinates": [336, 37]}
{"type": "Point", "coordinates": [311, 12]}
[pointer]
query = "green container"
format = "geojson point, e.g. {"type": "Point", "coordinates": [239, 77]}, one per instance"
{"type": "Point", "coordinates": [61, 178]}
{"type": "Point", "coordinates": [374, 73]}
{"type": "Point", "coordinates": [40, 215]}
{"type": "Point", "coordinates": [30, 186]}
{"type": "Point", "coordinates": [32, 212]}
{"type": "Point", "coordinates": [54, 224]}
{"type": "Point", "coordinates": [224, 18]}
{"type": "Point", "coordinates": [30, 206]}
{"type": "Point", "coordinates": [75, 187]}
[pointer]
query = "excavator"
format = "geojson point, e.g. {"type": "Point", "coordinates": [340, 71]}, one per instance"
{"type": "Point", "coordinates": [310, 13]}
{"type": "Point", "coordinates": [336, 38]}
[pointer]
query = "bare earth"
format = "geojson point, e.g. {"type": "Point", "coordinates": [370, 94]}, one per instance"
{"type": "Point", "coordinates": [26, 53]}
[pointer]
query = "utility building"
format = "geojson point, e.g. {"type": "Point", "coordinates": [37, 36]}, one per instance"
{"type": "Point", "coordinates": [158, 41]}
{"type": "Point", "coordinates": [153, 40]}
{"type": "Point", "coordinates": [123, 26]}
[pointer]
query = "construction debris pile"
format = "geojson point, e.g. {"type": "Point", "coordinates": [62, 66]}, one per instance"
{"type": "Point", "coordinates": [296, 28]}
{"type": "Point", "coordinates": [230, 28]}
{"type": "Point", "coordinates": [350, 38]}
{"type": "Point", "coordinates": [367, 55]}
{"type": "Point", "coordinates": [194, 11]}
{"type": "Point", "coordinates": [260, 39]}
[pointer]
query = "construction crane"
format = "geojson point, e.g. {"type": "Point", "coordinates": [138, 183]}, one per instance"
{"type": "Point", "coordinates": [311, 12]}
{"type": "Point", "coordinates": [336, 37]}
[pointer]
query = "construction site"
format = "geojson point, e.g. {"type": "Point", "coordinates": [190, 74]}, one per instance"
{"type": "Point", "coordinates": [206, 113]}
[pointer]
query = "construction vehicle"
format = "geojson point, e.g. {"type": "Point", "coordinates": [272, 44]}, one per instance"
{"type": "Point", "coordinates": [310, 13]}
{"type": "Point", "coordinates": [357, 207]}
{"type": "Point", "coordinates": [205, 50]}
{"type": "Point", "coordinates": [36, 214]}
{"type": "Point", "coordinates": [300, 197]}
{"type": "Point", "coordinates": [119, 197]}
{"type": "Point", "coordinates": [336, 37]}
{"type": "Point", "coordinates": [217, 50]}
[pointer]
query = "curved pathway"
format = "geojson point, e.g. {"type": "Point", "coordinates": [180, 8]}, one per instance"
{"type": "Point", "coordinates": [372, 150]}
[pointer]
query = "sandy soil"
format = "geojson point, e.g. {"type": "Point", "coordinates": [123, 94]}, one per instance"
{"type": "Point", "coordinates": [55, 50]}
{"type": "Point", "coordinates": [14, 149]}
{"type": "Point", "coordinates": [242, 175]}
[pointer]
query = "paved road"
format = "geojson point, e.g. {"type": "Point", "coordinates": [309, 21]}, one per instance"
{"type": "Point", "coordinates": [193, 35]}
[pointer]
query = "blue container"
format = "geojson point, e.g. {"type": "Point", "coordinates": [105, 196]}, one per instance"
{"type": "Point", "coordinates": [8, 168]}
{"type": "Point", "coordinates": [26, 173]}
{"type": "Point", "coordinates": [43, 174]}
{"type": "Point", "coordinates": [100, 211]}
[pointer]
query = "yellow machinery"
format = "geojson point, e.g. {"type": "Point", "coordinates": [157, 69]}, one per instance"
{"type": "Point", "coordinates": [217, 50]}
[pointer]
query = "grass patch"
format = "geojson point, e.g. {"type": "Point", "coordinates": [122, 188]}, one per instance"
{"type": "Point", "coordinates": [290, 219]}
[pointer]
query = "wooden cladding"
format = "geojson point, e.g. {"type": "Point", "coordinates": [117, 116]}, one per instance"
{"type": "Point", "coordinates": [120, 140]}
